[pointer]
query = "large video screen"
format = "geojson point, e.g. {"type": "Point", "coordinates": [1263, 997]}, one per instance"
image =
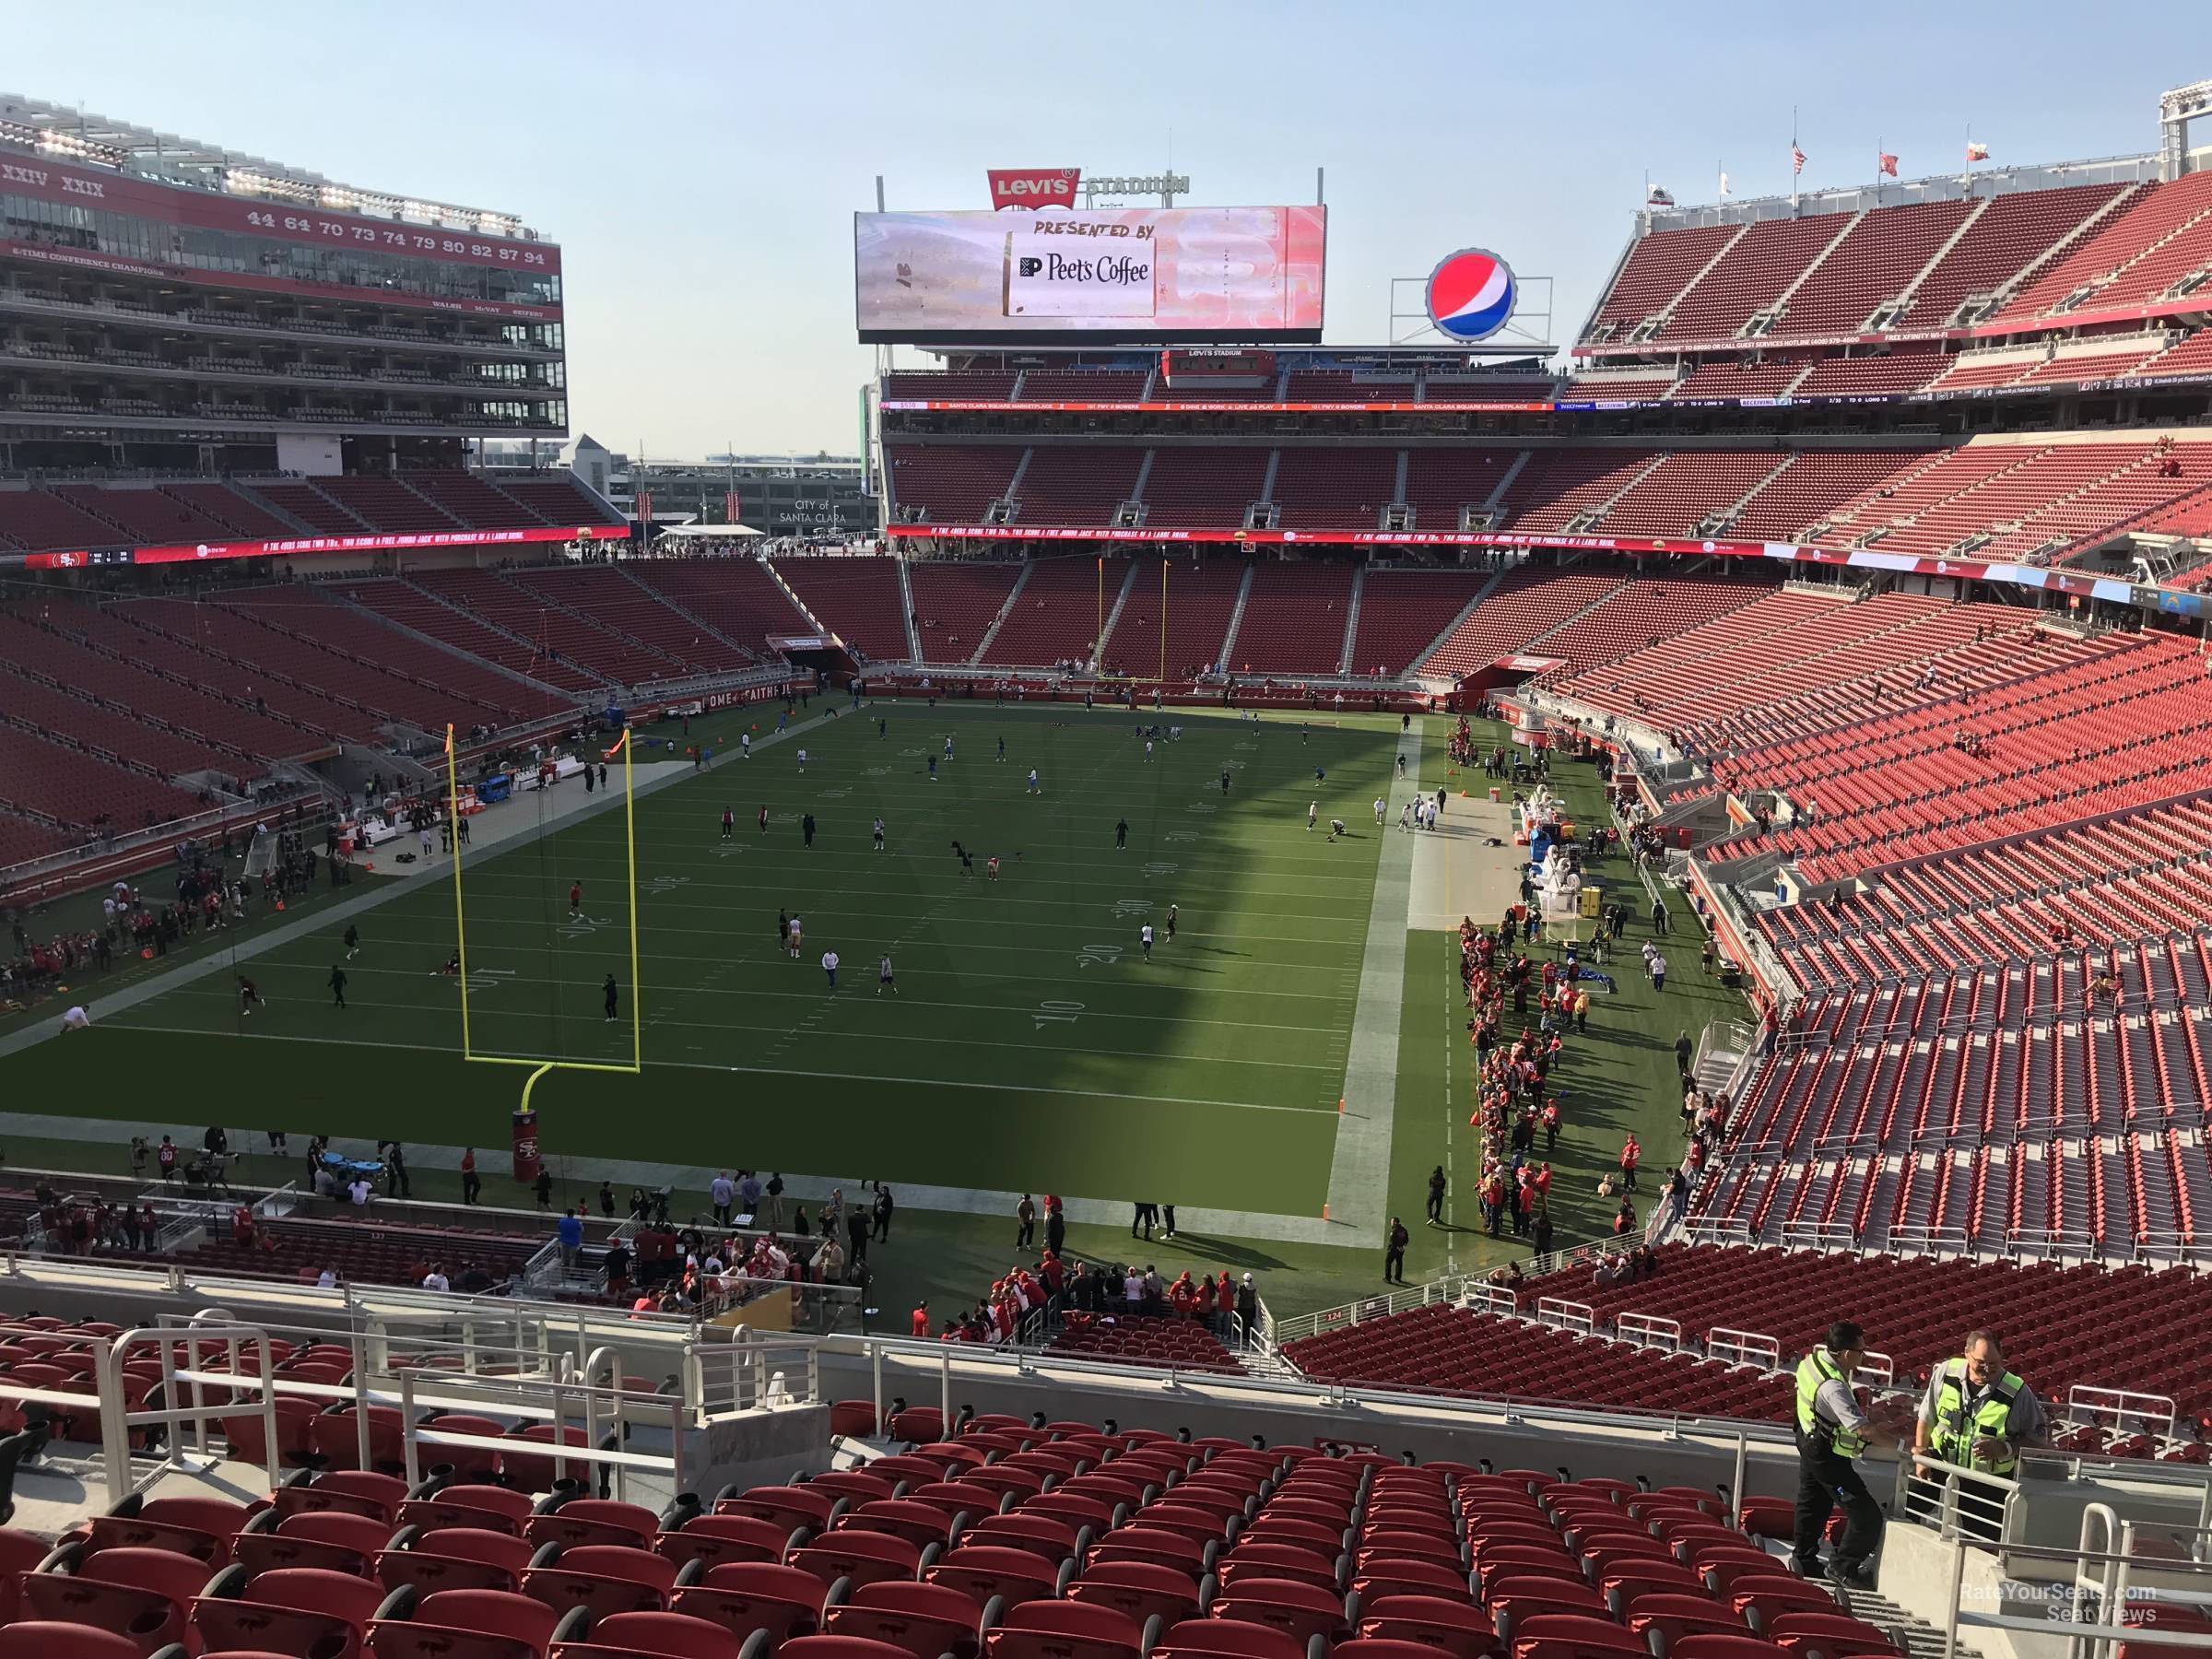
{"type": "Point", "coordinates": [1126, 275]}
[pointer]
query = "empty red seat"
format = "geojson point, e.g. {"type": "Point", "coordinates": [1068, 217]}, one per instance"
{"type": "Point", "coordinates": [744, 1597]}
{"type": "Point", "coordinates": [1723, 1647]}
{"type": "Point", "coordinates": [304, 1610]}
{"type": "Point", "coordinates": [866, 1558]}
{"type": "Point", "coordinates": [606, 1578]}
{"type": "Point", "coordinates": [982, 1570]}
{"type": "Point", "coordinates": [1457, 1629]}
{"type": "Point", "coordinates": [594, 1521]}
{"type": "Point", "coordinates": [1063, 1629]}
{"type": "Point", "coordinates": [465, 1624]}
{"type": "Point", "coordinates": [1676, 1615]}
{"type": "Point", "coordinates": [200, 1527]}
{"type": "Point", "coordinates": [493, 1509]}
{"type": "Point", "coordinates": [329, 1539]}
{"type": "Point", "coordinates": [1225, 1639]}
{"type": "Point", "coordinates": [1832, 1634]}
{"type": "Point", "coordinates": [145, 1594]}
{"type": "Point", "coordinates": [1570, 1636]}
{"type": "Point", "coordinates": [1758, 1600]}
{"type": "Point", "coordinates": [714, 1538]}
{"type": "Point", "coordinates": [1299, 1610]}
{"type": "Point", "coordinates": [1265, 1560]}
{"type": "Point", "coordinates": [356, 1491]}
{"type": "Point", "coordinates": [44, 1639]}
{"type": "Point", "coordinates": [922, 1620]}
{"type": "Point", "coordinates": [789, 1506]}
{"type": "Point", "coordinates": [921, 1523]}
{"type": "Point", "coordinates": [454, 1558]}
{"type": "Point", "coordinates": [1140, 1589]}
{"type": "Point", "coordinates": [670, 1636]}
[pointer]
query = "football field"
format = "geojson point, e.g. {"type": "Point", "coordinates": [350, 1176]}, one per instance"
{"type": "Point", "coordinates": [1030, 1044]}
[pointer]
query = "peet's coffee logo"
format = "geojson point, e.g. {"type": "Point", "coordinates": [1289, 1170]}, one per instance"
{"type": "Point", "coordinates": [1116, 270]}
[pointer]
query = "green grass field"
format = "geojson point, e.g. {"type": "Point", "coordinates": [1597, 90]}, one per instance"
{"type": "Point", "coordinates": [1030, 1046]}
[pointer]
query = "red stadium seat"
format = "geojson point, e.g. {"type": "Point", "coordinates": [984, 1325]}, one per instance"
{"type": "Point", "coordinates": [331, 1539]}
{"type": "Point", "coordinates": [1226, 1639]}
{"type": "Point", "coordinates": [1570, 1636]}
{"type": "Point", "coordinates": [594, 1521]}
{"type": "Point", "coordinates": [455, 1557]}
{"type": "Point", "coordinates": [982, 1570]}
{"type": "Point", "coordinates": [304, 1610]}
{"type": "Point", "coordinates": [923, 1621]}
{"type": "Point", "coordinates": [146, 1594]}
{"type": "Point", "coordinates": [465, 1624]}
{"type": "Point", "coordinates": [605, 1578]}
{"type": "Point", "coordinates": [744, 1597]}
{"type": "Point", "coordinates": [1829, 1635]}
{"type": "Point", "coordinates": [670, 1636]}
{"type": "Point", "coordinates": [1457, 1629]}
{"type": "Point", "coordinates": [1063, 1629]}
{"type": "Point", "coordinates": [864, 1556]}
{"type": "Point", "coordinates": [716, 1539]}
{"type": "Point", "coordinates": [1300, 1611]}
{"type": "Point", "coordinates": [1140, 1589]}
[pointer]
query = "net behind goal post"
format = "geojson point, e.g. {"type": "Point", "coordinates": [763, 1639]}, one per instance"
{"type": "Point", "coordinates": [540, 1065]}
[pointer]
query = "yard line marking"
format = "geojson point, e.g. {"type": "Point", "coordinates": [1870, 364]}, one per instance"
{"type": "Point", "coordinates": [786, 1034]}
{"type": "Point", "coordinates": [767, 1071]}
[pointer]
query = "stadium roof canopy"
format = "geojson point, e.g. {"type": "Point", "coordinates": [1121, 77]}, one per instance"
{"type": "Point", "coordinates": [68, 134]}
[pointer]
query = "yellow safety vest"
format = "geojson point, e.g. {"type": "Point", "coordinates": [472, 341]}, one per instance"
{"type": "Point", "coordinates": [1814, 1370]}
{"type": "Point", "coordinates": [1957, 1429]}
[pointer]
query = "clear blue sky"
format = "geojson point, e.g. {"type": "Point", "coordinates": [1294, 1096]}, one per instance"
{"type": "Point", "coordinates": [700, 164]}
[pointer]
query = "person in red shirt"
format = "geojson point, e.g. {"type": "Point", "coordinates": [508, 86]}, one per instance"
{"type": "Point", "coordinates": [1630, 1153]}
{"type": "Point", "coordinates": [575, 897]}
{"type": "Point", "coordinates": [1183, 1295]}
{"type": "Point", "coordinates": [921, 1320]}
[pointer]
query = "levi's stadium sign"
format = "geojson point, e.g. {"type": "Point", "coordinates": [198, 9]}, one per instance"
{"type": "Point", "coordinates": [1033, 186]}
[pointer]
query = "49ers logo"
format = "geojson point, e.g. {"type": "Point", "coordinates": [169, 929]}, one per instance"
{"type": "Point", "coordinates": [1033, 187]}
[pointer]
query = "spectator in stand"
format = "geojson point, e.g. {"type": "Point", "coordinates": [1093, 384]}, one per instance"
{"type": "Point", "coordinates": [1248, 1307]}
{"type": "Point", "coordinates": [435, 1279]}
{"type": "Point", "coordinates": [918, 1322]}
{"type": "Point", "coordinates": [1624, 1219]}
{"type": "Point", "coordinates": [569, 1230]}
{"type": "Point", "coordinates": [616, 1264]}
{"type": "Point", "coordinates": [720, 1192]}
{"type": "Point", "coordinates": [748, 1190]}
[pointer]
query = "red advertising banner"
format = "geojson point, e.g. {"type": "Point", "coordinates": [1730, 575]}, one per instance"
{"type": "Point", "coordinates": [191, 552]}
{"type": "Point", "coordinates": [1188, 406]}
{"type": "Point", "coordinates": [174, 205]}
{"type": "Point", "coordinates": [1033, 186]}
{"type": "Point", "coordinates": [248, 281]}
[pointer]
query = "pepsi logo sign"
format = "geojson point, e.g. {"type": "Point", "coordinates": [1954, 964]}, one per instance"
{"type": "Point", "coordinates": [1471, 294]}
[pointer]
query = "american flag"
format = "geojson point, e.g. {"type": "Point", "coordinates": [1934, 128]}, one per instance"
{"type": "Point", "coordinates": [1886, 162]}
{"type": "Point", "coordinates": [1796, 160]}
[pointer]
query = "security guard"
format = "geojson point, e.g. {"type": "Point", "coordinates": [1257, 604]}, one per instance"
{"type": "Point", "coordinates": [1977, 1415]}
{"type": "Point", "coordinates": [1831, 1433]}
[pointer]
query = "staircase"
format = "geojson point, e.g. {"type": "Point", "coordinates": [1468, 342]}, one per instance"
{"type": "Point", "coordinates": [659, 598]}
{"type": "Point", "coordinates": [481, 622]}
{"type": "Point", "coordinates": [1235, 616]}
{"type": "Point", "coordinates": [1351, 613]}
{"type": "Point", "coordinates": [1610, 594]}
{"type": "Point", "coordinates": [1735, 510]}
{"type": "Point", "coordinates": [1451, 627]}
{"type": "Point", "coordinates": [906, 605]}
{"type": "Point", "coordinates": [791, 593]}
{"type": "Point", "coordinates": [2000, 296]}
{"type": "Point", "coordinates": [2104, 279]}
{"type": "Point", "coordinates": [1665, 315]}
{"type": "Point", "coordinates": [1596, 515]}
{"type": "Point", "coordinates": [997, 622]}
{"type": "Point", "coordinates": [1120, 598]}
{"type": "Point", "coordinates": [1275, 460]}
{"type": "Point", "coordinates": [1490, 502]}
{"type": "Point", "coordinates": [1777, 308]}
{"type": "Point", "coordinates": [1903, 304]}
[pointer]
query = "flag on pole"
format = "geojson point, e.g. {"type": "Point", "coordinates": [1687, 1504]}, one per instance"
{"type": "Point", "coordinates": [1886, 162]}
{"type": "Point", "coordinates": [1723, 184]}
{"type": "Point", "coordinates": [1976, 152]}
{"type": "Point", "coordinates": [729, 507]}
{"type": "Point", "coordinates": [1658, 196]}
{"type": "Point", "coordinates": [1796, 160]}
{"type": "Point", "coordinates": [448, 736]}
{"type": "Point", "coordinates": [608, 754]}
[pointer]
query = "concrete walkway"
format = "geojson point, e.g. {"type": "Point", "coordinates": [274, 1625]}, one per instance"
{"type": "Point", "coordinates": [1360, 1173]}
